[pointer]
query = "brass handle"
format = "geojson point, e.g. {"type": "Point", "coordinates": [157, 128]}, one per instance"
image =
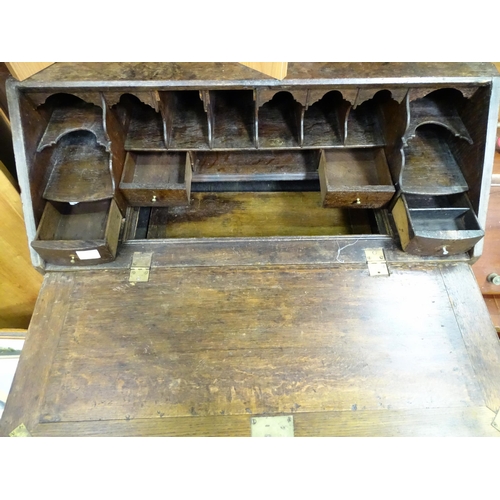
{"type": "Point", "coordinates": [153, 199]}
{"type": "Point", "coordinates": [72, 258]}
{"type": "Point", "coordinates": [494, 278]}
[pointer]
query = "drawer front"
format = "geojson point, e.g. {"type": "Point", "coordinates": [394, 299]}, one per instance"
{"type": "Point", "coordinates": [60, 253]}
{"type": "Point", "coordinates": [142, 197]}
{"type": "Point", "coordinates": [439, 246]}
{"type": "Point", "coordinates": [358, 199]}
{"type": "Point", "coordinates": [80, 247]}
{"type": "Point", "coordinates": [434, 231]}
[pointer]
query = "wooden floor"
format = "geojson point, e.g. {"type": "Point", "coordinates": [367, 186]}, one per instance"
{"type": "Point", "coordinates": [201, 350]}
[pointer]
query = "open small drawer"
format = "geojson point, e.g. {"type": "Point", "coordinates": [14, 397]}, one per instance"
{"type": "Point", "coordinates": [436, 225]}
{"type": "Point", "coordinates": [356, 178]}
{"type": "Point", "coordinates": [157, 179]}
{"type": "Point", "coordinates": [81, 234]}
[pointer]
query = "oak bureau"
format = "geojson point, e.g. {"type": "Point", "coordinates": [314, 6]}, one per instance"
{"type": "Point", "coordinates": [218, 245]}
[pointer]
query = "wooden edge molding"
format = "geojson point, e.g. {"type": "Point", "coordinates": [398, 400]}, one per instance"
{"type": "Point", "coordinates": [423, 422]}
{"type": "Point", "coordinates": [478, 333]}
{"type": "Point", "coordinates": [23, 403]}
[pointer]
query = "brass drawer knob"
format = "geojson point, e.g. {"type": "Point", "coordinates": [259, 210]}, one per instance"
{"type": "Point", "coordinates": [494, 278]}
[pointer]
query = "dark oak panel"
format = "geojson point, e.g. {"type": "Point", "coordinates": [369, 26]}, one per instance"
{"type": "Point", "coordinates": [80, 170]}
{"type": "Point", "coordinates": [271, 340]}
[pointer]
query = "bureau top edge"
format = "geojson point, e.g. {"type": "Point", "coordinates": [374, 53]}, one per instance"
{"type": "Point", "coordinates": [101, 76]}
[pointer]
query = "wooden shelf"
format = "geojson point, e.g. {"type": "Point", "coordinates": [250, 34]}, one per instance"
{"type": "Point", "coordinates": [429, 165]}
{"type": "Point", "coordinates": [143, 125]}
{"type": "Point", "coordinates": [73, 118]}
{"type": "Point", "coordinates": [234, 117]}
{"type": "Point", "coordinates": [255, 166]}
{"type": "Point", "coordinates": [186, 121]}
{"type": "Point", "coordinates": [324, 121]}
{"type": "Point", "coordinates": [363, 127]}
{"type": "Point", "coordinates": [279, 122]}
{"type": "Point", "coordinates": [80, 170]}
{"type": "Point", "coordinates": [439, 107]}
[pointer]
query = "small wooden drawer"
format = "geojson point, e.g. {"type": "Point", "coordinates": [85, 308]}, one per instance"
{"type": "Point", "coordinates": [355, 178]}
{"type": "Point", "coordinates": [436, 225]}
{"type": "Point", "coordinates": [157, 179]}
{"type": "Point", "coordinates": [81, 234]}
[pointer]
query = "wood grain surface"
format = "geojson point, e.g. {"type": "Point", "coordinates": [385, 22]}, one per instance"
{"type": "Point", "coordinates": [190, 74]}
{"type": "Point", "coordinates": [430, 167]}
{"type": "Point", "coordinates": [255, 214]}
{"type": "Point", "coordinates": [79, 170]}
{"type": "Point", "coordinates": [429, 422]}
{"type": "Point", "coordinates": [228, 341]}
{"type": "Point", "coordinates": [32, 374]}
{"type": "Point", "coordinates": [477, 329]}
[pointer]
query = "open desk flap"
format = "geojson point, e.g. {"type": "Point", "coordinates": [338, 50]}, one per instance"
{"type": "Point", "coordinates": [200, 350]}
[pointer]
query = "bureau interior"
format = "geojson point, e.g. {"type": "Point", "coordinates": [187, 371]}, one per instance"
{"type": "Point", "coordinates": [237, 193]}
{"type": "Point", "coordinates": [250, 214]}
{"type": "Point", "coordinates": [256, 162]}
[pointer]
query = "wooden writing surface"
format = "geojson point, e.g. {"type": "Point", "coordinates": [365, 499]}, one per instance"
{"type": "Point", "coordinates": [331, 345]}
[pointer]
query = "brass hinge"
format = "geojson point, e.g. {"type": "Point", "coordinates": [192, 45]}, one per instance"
{"type": "Point", "coordinates": [20, 431]}
{"type": "Point", "coordinates": [377, 265]}
{"type": "Point", "coordinates": [278, 426]}
{"type": "Point", "coordinates": [141, 264]}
